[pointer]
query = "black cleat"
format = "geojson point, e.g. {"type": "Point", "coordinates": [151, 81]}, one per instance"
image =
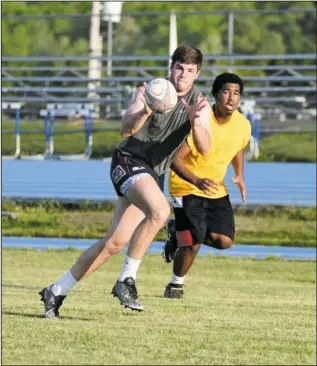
{"type": "Point", "coordinates": [127, 293]}
{"type": "Point", "coordinates": [173, 291]}
{"type": "Point", "coordinates": [52, 303]}
{"type": "Point", "coordinates": [170, 246]}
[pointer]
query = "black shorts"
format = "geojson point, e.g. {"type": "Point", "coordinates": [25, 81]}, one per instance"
{"type": "Point", "coordinates": [196, 217]}
{"type": "Point", "coordinates": [124, 167]}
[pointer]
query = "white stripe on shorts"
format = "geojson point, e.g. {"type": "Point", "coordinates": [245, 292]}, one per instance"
{"type": "Point", "coordinates": [177, 202]}
{"type": "Point", "coordinates": [130, 181]}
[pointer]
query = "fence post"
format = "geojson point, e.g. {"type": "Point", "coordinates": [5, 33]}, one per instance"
{"type": "Point", "coordinates": [17, 131]}
{"type": "Point", "coordinates": [47, 134]}
{"type": "Point", "coordinates": [51, 133]}
{"type": "Point", "coordinates": [257, 123]}
{"type": "Point", "coordinates": [90, 130]}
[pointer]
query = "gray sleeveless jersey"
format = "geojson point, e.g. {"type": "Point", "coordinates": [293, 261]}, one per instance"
{"type": "Point", "coordinates": [160, 137]}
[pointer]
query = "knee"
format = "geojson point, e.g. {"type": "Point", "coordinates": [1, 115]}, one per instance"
{"type": "Point", "coordinates": [191, 250]}
{"type": "Point", "coordinates": [225, 242]}
{"type": "Point", "coordinates": [219, 241]}
{"type": "Point", "coordinates": [160, 214]}
{"type": "Point", "coordinates": [110, 247]}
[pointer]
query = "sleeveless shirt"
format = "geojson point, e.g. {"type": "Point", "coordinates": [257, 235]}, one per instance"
{"type": "Point", "coordinates": [160, 137]}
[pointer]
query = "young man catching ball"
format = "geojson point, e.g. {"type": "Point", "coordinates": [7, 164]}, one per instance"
{"type": "Point", "coordinates": [137, 167]}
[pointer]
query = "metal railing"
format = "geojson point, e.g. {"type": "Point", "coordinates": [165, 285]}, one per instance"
{"type": "Point", "coordinates": [278, 83]}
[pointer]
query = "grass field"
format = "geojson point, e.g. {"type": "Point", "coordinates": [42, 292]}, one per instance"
{"type": "Point", "coordinates": [277, 147]}
{"type": "Point", "coordinates": [265, 225]}
{"type": "Point", "coordinates": [235, 312]}
{"type": "Point", "coordinates": [272, 148]}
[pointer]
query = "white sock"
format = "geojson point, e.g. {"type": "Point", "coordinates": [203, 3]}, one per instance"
{"type": "Point", "coordinates": [177, 280]}
{"type": "Point", "coordinates": [64, 284]}
{"type": "Point", "coordinates": [129, 268]}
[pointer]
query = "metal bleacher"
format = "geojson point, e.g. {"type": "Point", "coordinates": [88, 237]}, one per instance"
{"type": "Point", "coordinates": [285, 84]}
{"type": "Point", "coordinates": [279, 85]}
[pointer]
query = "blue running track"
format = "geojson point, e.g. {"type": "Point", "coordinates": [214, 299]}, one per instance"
{"type": "Point", "coordinates": [256, 251]}
{"type": "Point", "coordinates": [267, 183]}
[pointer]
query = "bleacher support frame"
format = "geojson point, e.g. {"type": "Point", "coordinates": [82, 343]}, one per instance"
{"type": "Point", "coordinates": [248, 109]}
{"type": "Point", "coordinates": [84, 110]}
{"type": "Point", "coordinates": [17, 107]}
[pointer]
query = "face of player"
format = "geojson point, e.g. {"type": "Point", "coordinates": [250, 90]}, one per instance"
{"type": "Point", "coordinates": [229, 98]}
{"type": "Point", "coordinates": [183, 76]}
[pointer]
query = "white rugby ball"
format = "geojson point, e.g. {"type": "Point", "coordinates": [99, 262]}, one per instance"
{"type": "Point", "coordinates": [160, 95]}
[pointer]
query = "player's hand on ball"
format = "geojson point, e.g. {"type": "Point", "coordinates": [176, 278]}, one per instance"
{"type": "Point", "coordinates": [160, 95]}
{"type": "Point", "coordinates": [147, 109]}
{"type": "Point", "coordinates": [194, 110]}
{"type": "Point", "coordinates": [208, 186]}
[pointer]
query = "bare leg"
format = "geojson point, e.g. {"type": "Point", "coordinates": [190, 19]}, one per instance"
{"type": "Point", "coordinates": [126, 218]}
{"type": "Point", "coordinates": [218, 241]}
{"type": "Point", "coordinates": [138, 217]}
{"type": "Point", "coordinates": [147, 196]}
{"type": "Point", "coordinates": [184, 258]}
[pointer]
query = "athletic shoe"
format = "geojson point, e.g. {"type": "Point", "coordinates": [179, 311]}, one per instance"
{"type": "Point", "coordinates": [173, 291]}
{"type": "Point", "coordinates": [52, 303]}
{"type": "Point", "coordinates": [127, 293]}
{"type": "Point", "coordinates": [170, 246]}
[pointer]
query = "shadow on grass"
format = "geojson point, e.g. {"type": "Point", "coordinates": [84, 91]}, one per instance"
{"type": "Point", "coordinates": [42, 317]}
{"type": "Point", "coordinates": [38, 288]}
{"type": "Point", "coordinates": [159, 296]}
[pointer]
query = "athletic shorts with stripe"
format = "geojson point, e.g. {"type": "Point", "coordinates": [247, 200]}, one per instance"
{"type": "Point", "coordinates": [125, 170]}
{"type": "Point", "coordinates": [196, 217]}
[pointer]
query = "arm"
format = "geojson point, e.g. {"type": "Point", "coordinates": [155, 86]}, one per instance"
{"type": "Point", "coordinates": [136, 114]}
{"type": "Point", "coordinates": [238, 165]}
{"type": "Point", "coordinates": [207, 185]}
{"type": "Point", "coordinates": [200, 115]}
{"type": "Point", "coordinates": [201, 130]}
{"type": "Point", "coordinates": [180, 168]}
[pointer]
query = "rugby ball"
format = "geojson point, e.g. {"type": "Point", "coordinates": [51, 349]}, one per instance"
{"type": "Point", "coordinates": [160, 95]}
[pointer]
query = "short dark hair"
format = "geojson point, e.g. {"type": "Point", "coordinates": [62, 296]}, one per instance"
{"type": "Point", "coordinates": [187, 54]}
{"type": "Point", "coordinates": [223, 79]}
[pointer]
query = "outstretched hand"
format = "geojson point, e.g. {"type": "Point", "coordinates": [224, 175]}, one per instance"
{"type": "Point", "coordinates": [240, 182]}
{"type": "Point", "coordinates": [193, 110]}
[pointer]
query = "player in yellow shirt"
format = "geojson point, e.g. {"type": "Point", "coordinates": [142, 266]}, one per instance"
{"type": "Point", "coordinates": [202, 208]}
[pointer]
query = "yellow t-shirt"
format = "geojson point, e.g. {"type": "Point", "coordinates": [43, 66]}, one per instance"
{"type": "Point", "coordinates": [227, 140]}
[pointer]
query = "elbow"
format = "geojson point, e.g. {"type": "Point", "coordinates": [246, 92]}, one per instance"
{"type": "Point", "coordinates": [204, 152]}
{"type": "Point", "coordinates": [205, 149]}
{"type": "Point", "coordinates": [125, 133]}
{"type": "Point", "coordinates": [205, 145]}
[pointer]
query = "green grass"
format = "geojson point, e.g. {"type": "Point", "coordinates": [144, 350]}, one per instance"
{"type": "Point", "coordinates": [235, 312]}
{"type": "Point", "coordinates": [289, 147]}
{"type": "Point", "coordinates": [297, 147]}
{"type": "Point", "coordinates": [31, 144]}
{"type": "Point", "coordinates": [265, 225]}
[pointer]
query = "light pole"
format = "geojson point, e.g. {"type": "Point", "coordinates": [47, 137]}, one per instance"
{"type": "Point", "coordinates": [172, 37]}
{"type": "Point", "coordinates": [95, 50]}
{"type": "Point", "coordinates": [111, 13]}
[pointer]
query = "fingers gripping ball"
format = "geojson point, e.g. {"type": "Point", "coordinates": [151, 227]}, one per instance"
{"type": "Point", "coordinates": [160, 95]}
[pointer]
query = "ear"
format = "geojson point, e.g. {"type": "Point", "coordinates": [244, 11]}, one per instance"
{"type": "Point", "coordinates": [198, 73]}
